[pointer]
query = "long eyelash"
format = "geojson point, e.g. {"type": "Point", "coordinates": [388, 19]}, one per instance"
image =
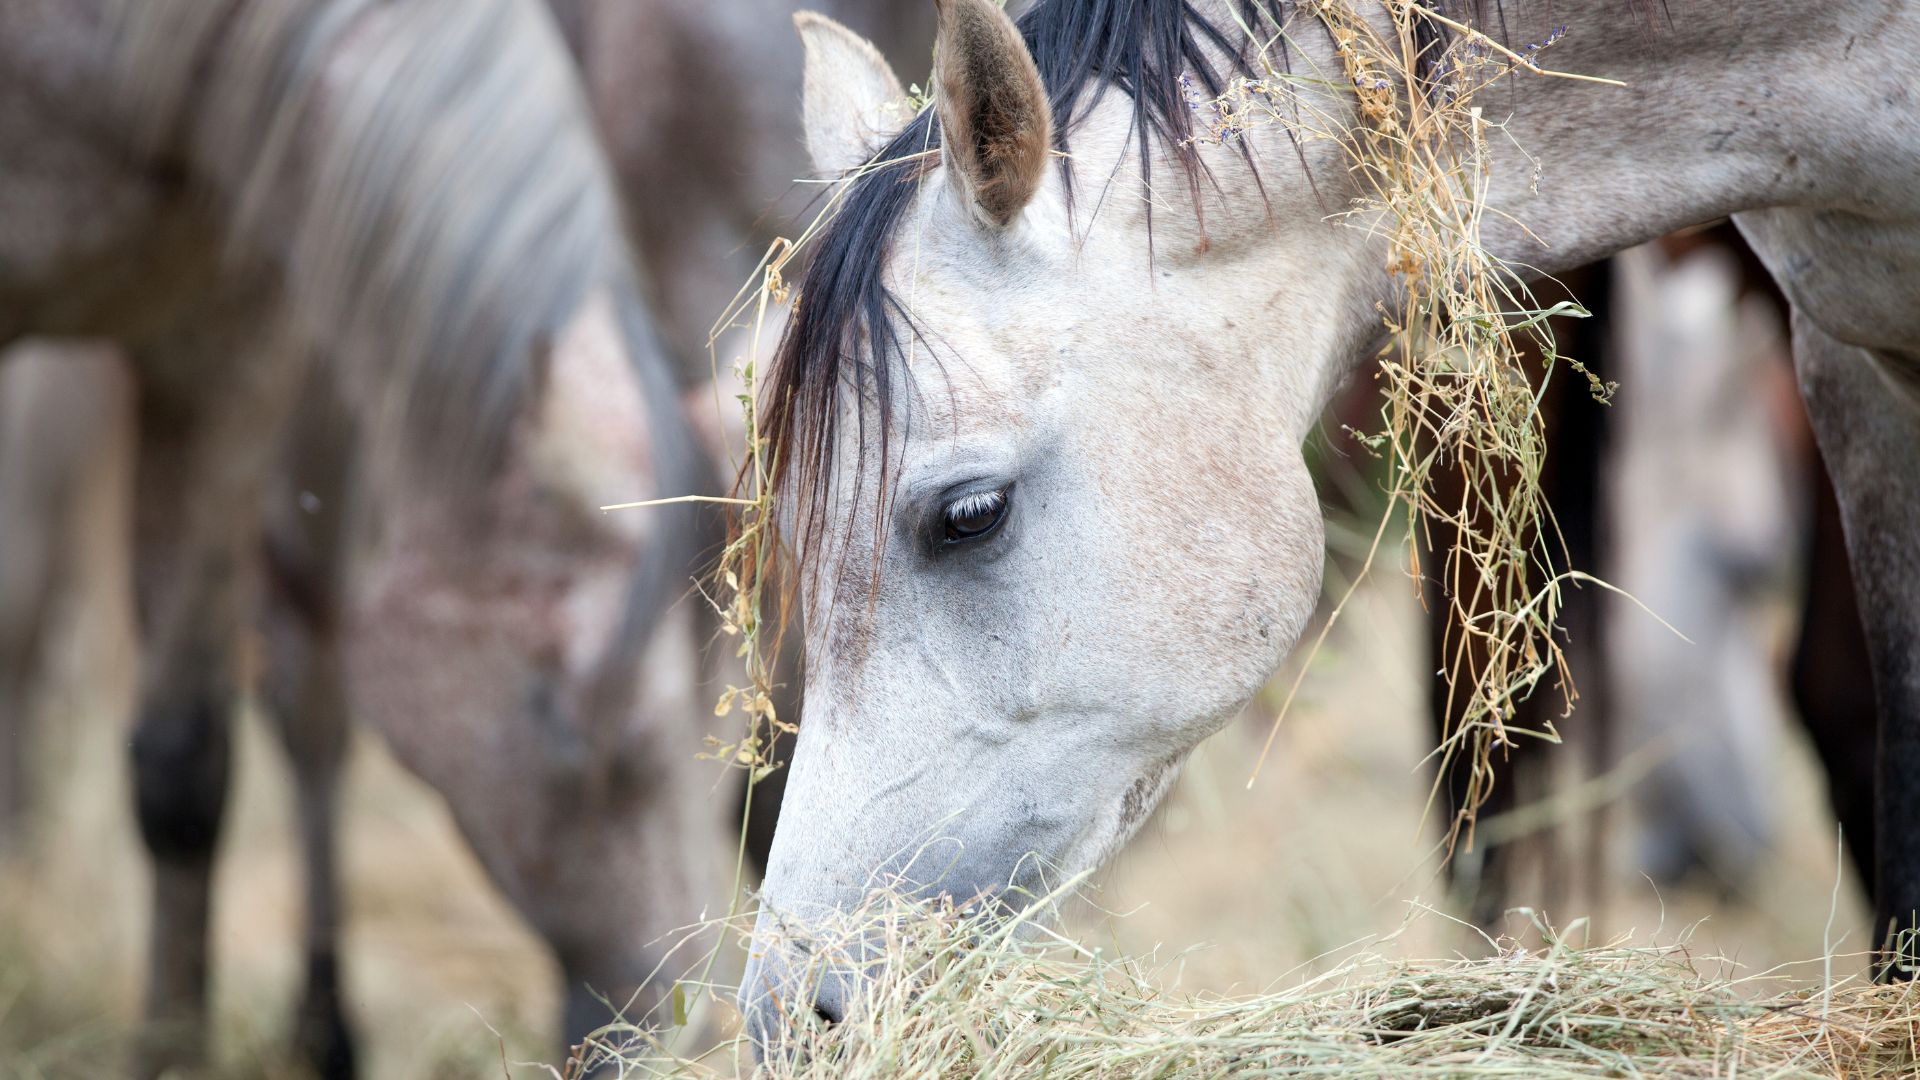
{"type": "Point", "coordinates": [979, 502]}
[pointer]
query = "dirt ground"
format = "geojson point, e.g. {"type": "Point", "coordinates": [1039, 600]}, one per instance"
{"type": "Point", "coordinates": [1242, 885]}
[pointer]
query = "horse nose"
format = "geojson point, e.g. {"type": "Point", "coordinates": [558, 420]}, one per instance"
{"type": "Point", "coordinates": [783, 993]}
{"type": "Point", "coordinates": [829, 1002]}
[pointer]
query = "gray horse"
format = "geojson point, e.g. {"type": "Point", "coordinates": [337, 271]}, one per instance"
{"type": "Point", "coordinates": [1084, 537]}
{"type": "Point", "coordinates": [411, 199]}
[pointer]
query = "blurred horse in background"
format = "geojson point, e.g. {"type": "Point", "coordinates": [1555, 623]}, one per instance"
{"type": "Point", "coordinates": [701, 204]}
{"type": "Point", "coordinates": [1705, 502]}
{"type": "Point", "coordinates": [410, 200]}
{"type": "Point", "coordinates": [441, 630]}
{"type": "Point", "coordinates": [700, 208]}
{"type": "Point", "coordinates": [1714, 538]}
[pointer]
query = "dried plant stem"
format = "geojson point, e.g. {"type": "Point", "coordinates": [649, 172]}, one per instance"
{"type": "Point", "coordinates": [1458, 400]}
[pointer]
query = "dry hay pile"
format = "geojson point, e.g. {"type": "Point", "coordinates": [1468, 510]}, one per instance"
{"type": "Point", "coordinates": [962, 995]}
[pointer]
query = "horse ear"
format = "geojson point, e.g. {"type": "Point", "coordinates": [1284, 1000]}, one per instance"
{"type": "Point", "coordinates": [850, 97]}
{"type": "Point", "coordinates": [996, 124]}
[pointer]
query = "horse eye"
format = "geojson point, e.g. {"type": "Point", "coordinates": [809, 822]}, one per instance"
{"type": "Point", "coordinates": [973, 516]}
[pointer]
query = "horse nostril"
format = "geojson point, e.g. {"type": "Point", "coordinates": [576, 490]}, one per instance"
{"type": "Point", "coordinates": [827, 1011]}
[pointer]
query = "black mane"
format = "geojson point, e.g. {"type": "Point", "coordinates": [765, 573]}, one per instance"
{"type": "Point", "coordinates": [847, 326]}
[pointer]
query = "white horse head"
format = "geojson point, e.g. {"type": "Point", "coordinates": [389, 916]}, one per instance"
{"type": "Point", "coordinates": [1045, 479]}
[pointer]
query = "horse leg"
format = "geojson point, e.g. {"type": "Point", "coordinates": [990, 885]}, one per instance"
{"type": "Point", "coordinates": [1832, 680]}
{"type": "Point", "coordinates": [1865, 409]}
{"type": "Point", "coordinates": [210, 400]}
{"type": "Point", "coordinates": [304, 692]}
{"type": "Point", "coordinates": [181, 753]}
{"type": "Point", "coordinates": [305, 547]}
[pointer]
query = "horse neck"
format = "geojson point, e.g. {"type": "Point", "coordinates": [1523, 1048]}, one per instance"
{"type": "Point", "coordinates": [1728, 107]}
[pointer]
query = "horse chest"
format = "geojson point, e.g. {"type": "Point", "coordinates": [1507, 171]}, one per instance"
{"type": "Point", "coordinates": [87, 245]}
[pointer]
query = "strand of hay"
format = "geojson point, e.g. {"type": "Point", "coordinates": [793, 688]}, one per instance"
{"type": "Point", "coordinates": [963, 994]}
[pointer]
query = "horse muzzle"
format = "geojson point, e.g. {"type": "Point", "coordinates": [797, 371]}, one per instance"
{"type": "Point", "coordinates": [792, 990]}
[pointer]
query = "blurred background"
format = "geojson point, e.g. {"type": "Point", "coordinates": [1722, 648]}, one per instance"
{"type": "Point", "coordinates": [1692, 797]}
